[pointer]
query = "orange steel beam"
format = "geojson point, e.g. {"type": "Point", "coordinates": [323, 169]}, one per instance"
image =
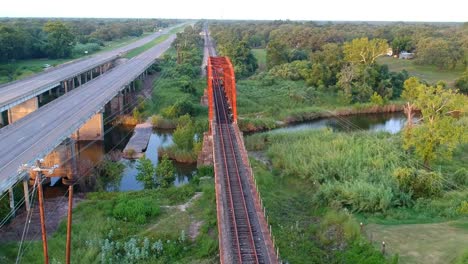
{"type": "Point", "coordinates": [225, 72]}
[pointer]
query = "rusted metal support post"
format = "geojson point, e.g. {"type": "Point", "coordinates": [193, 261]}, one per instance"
{"type": "Point", "coordinates": [69, 223]}
{"type": "Point", "coordinates": [70, 200]}
{"type": "Point", "coordinates": [41, 213]}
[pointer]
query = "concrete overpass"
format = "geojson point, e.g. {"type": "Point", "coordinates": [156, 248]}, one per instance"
{"type": "Point", "coordinates": [20, 98]}
{"type": "Point", "coordinates": [38, 133]}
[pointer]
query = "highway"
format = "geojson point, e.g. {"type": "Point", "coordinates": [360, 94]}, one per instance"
{"type": "Point", "coordinates": [38, 133]}
{"type": "Point", "coordinates": [19, 91]}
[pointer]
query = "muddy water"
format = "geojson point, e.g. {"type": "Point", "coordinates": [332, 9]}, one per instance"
{"type": "Point", "coordinates": [90, 154]}
{"type": "Point", "coordinates": [388, 122]}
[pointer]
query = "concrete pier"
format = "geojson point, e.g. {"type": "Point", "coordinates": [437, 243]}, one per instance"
{"type": "Point", "coordinates": [139, 141]}
{"type": "Point", "coordinates": [91, 130]}
{"type": "Point", "coordinates": [19, 111]}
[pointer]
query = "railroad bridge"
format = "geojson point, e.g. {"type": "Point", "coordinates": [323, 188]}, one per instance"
{"type": "Point", "coordinates": [244, 235]}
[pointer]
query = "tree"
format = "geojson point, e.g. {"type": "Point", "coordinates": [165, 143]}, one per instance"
{"type": "Point", "coordinates": [183, 136]}
{"type": "Point", "coordinates": [60, 39]}
{"type": "Point", "coordinates": [462, 83]}
{"type": "Point", "coordinates": [439, 132]}
{"type": "Point", "coordinates": [402, 43]}
{"type": "Point", "coordinates": [276, 53]}
{"type": "Point", "coordinates": [165, 171]}
{"type": "Point", "coordinates": [439, 52]}
{"type": "Point", "coordinates": [146, 172]}
{"type": "Point", "coordinates": [346, 77]}
{"type": "Point", "coordinates": [364, 51]}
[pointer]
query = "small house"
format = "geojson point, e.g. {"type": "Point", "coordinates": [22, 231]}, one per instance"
{"type": "Point", "coordinates": [406, 55]}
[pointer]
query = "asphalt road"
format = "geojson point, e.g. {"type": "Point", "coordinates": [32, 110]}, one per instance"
{"type": "Point", "coordinates": [12, 93]}
{"type": "Point", "coordinates": [38, 133]}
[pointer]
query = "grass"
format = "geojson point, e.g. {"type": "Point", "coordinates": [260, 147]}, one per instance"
{"type": "Point", "coordinates": [260, 55]}
{"type": "Point", "coordinates": [425, 72]}
{"type": "Point", "coordinates": [423, 243]}
{"type": "Point", "coordinates": [261, 103]}
{"type": "Point", "coordinates": [296, 223]}
{"type": "Point", "coordinates": [95, 224]}
{"type": "Point", "coordinates": [302, 175]}
{"type": "Point", "coordinates": [151, 44]}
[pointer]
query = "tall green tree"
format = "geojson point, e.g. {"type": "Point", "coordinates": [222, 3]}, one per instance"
{"type": "Point", "coordinates": [277, 53]}
{"type": "Point", "coordinates": [439, 131]}
{"type": "Point", "coordinates": [165, 171]}
{"type": "Point", "coordinates": [60, 40]}
{"type": "Point", "coordinates": [364, 51]}
{"type": "Point", "coordinates": [146, 173]}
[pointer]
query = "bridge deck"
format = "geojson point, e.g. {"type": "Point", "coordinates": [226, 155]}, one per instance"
{"type": "Point", "coordinates": [37, 134]}
{"type": "Point", "coordinates": [21, 90]}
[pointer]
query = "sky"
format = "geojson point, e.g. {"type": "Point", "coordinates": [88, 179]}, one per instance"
{"type": "Point", "coordinates": [328, 10]}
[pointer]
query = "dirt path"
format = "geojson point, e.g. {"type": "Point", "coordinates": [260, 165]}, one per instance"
{"type": "Point", "coordinates": [422, 243]}
{"type": "Point", "coordinates": [195, 225]}
{"type": "Point", "coordinates": [55, 210]}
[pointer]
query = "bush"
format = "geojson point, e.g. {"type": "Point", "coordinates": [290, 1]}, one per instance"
{"type": "Point", "coordinates": [338, 229]}
{"type": "Point", "coordinates": [376, 99]}
{"type": "Point", "coordinates": [420, 183]}
{"type": "Point", "coordinates": [358, 196]}
{"type": "Point", "coordinates": [135, 210]}
{"type": "Point", "coordinates": [79, 49]}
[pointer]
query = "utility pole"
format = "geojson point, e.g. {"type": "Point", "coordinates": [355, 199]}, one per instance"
{"type": "Point", "coordinates": [39, 176]}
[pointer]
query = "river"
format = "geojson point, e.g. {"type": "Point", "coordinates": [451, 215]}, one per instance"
{"type": "Point", "coordinates": [115, 139]}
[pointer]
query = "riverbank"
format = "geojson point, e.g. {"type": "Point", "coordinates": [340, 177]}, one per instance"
{"type": "Point", "coordinates": [310, 180]}
{"type": "Point", "coordinates": [252, 125]}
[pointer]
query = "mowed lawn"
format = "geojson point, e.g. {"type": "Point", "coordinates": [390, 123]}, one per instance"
{"type": "Point", "coordinates": [260, 55]}
{"type": "Point", "coordinates": [425, 72]}
{"type": "Point", "coordinates": [437, 243]}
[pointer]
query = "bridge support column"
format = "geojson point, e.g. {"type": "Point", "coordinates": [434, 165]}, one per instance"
{"type": "Point", "coordinates": [117, 104]}
{"type": "Point", "coordinates": [79, 79]}
{"type": "Point", "coordinates": [65, 86]}
{"type": "Point", "coordinates": [26, 195]}
{"type": "Point", "coordinates": [91, 130]}
{"type": "Point", "coordinates": [2, 121]}
{"type": "Point", "coordinates": [12, 201]}
{"type": "Point", "coordinates": [19, 111]}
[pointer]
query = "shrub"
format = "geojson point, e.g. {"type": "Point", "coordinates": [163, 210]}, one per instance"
{"type": "Point", "coordinates": [165, 171]}
{"type": "Point", "coordinates": [135, 210]}
{"type": "Point", "coordinates": [338, 229]}
{"type": "Point", "coordinates": [146, 172]}
{"type": "Point", "coordinates": [130, 152]}
{"type": "Point", "coordinates": [420, 183]}
{"type": "Point", "coordinates": [205, 171]}
{"type": "Point", "coordinates": [358, 196]}
{"type": "Point", "coordinates": [376, 99]}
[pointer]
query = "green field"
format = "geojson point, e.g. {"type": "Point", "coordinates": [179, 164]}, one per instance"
{"type": "Point", "coordinates": [423, 243]}
{"type": "Point", "coordinates": [424, 72]}
{"type": "Point", "coordinates": [260, 55]}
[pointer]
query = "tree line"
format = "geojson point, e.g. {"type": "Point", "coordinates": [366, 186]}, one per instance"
{"type": "Point", "coordinates": [341, 57]}
{"type": "Point", "coordinates": [30, 38]}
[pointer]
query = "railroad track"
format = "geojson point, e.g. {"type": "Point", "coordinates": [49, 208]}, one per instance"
{"type": "Point", "coordinates": [245, 237]}
{"type": "Point", "coordinates": [246, 242]}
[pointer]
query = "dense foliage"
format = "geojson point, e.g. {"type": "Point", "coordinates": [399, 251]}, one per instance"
{"type": "Point", "coordinates": [27, 38]}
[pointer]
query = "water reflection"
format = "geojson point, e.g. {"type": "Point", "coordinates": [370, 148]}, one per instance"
{"type": "Point", "coordinates": [158, 139]}
{"type": "Point", "coordinates": [387, 122]}
{"type": "Point", "coordinates": [90, 154]}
